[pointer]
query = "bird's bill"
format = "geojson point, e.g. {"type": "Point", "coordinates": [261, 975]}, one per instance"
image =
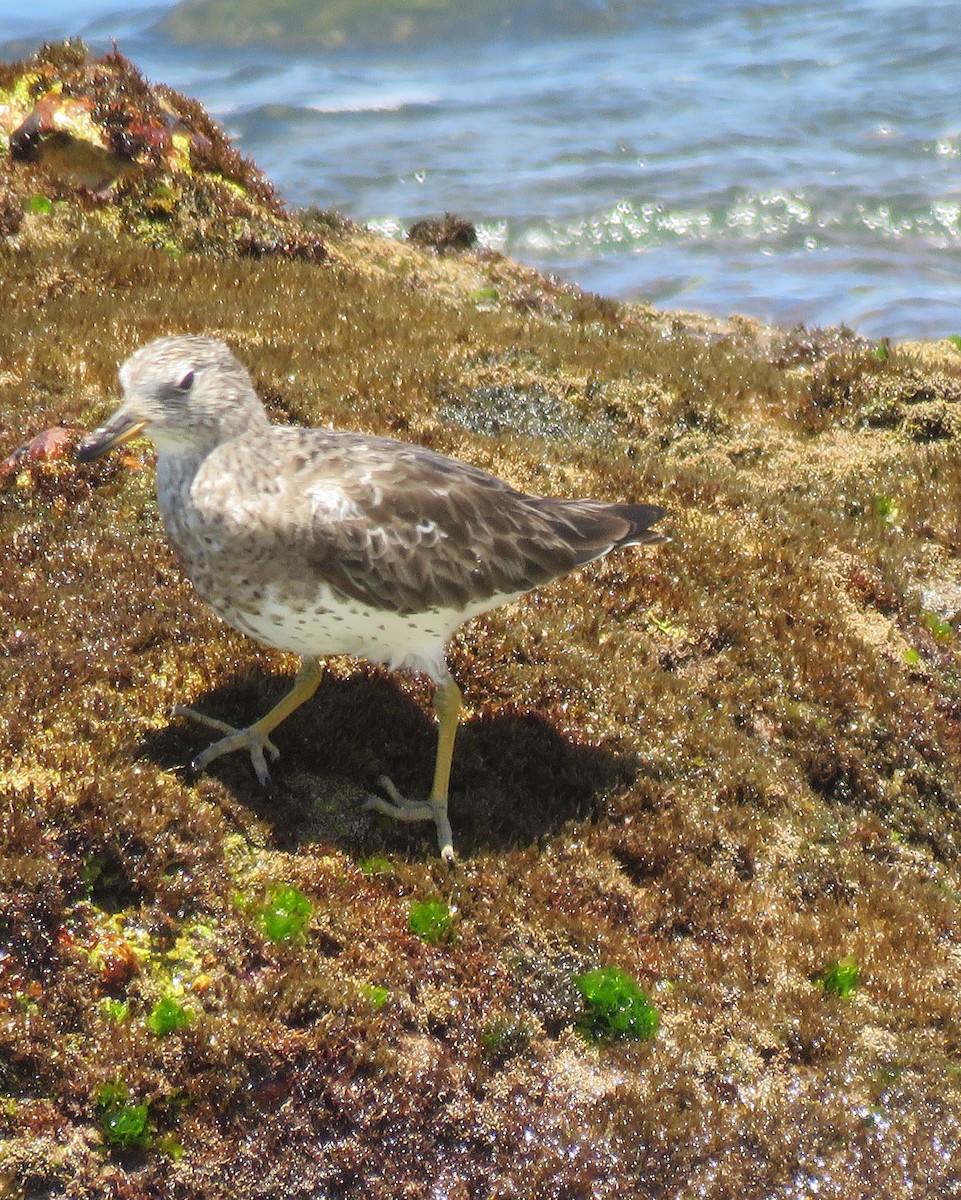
{"type": "Point", "coordinates": [120, 428]}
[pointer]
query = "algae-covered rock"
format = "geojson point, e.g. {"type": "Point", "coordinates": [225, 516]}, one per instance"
{"type": "Point", "coordinates": [711, 770]}
{"type": "Point", "coordinates": [139, 157]}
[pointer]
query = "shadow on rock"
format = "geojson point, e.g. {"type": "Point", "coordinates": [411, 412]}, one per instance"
{"type": "Point", "coordinates": [516, 778]}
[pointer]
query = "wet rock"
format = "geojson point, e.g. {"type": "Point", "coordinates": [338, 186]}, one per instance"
{"type": "Point", "coordinates": [446, 233]}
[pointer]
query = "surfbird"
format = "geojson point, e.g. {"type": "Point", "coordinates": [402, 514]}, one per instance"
{"type": "Point", "coordinates": [321, 542]}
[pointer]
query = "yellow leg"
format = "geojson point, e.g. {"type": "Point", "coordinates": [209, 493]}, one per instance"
{"type": "Point", "coordinates": [447, 705]}
{"type": "Point", "coordinates": [255, 739]}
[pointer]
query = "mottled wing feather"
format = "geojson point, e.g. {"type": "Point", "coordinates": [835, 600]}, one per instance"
{"type": "Point", "coordinates": [399, 527]}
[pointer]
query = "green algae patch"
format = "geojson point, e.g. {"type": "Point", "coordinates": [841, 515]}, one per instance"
{"type": "Point", "coordinates": [115, 1010]}
{"type": "Point", "coordinates": [886, 509]}
{"type": "Point", "coordinates": [123, 1122]}
{"type": "Point", "coordinates": [841, 978]}
{"type": "Point", "coordinates": [941, 630]}
{"type": "Point", "coordinates": [284, 915]}
{"type": "Point", "coordinates": [432, 921]}
{"type": "Point", "coordinates": [127, 1126]}
{"type": "Point", "coordinates": [375, 864]}
{"type": "Point", "coordinates": [167, 1016]}
{"type": "Point", "coordinates": [376, 995]}
{"type": "Point", "coordinates": [617, 1006]}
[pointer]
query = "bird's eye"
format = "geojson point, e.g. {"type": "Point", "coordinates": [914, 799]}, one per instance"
{"type": "Point", "coordinates": [185, 384]}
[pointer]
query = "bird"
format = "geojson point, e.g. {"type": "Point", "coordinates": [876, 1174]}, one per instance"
{"type": "Point", "coordinates": [324, 542]}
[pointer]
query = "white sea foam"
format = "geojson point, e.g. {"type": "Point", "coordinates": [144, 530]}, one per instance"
{"type": "Point", "coordinates": [374, 100]}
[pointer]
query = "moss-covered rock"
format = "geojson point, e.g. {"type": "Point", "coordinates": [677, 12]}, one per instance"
{"type": "Point", "coordinates": [721, 766]}
{"type": "Point", "coordinates": [120, 154]}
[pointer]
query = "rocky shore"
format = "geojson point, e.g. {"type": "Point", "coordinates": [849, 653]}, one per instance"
{"type": "Point", "coordinates": [729, 767]}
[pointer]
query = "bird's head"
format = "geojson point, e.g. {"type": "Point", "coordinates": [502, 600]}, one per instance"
{"type": "Point", "coordinates": [187, 394]}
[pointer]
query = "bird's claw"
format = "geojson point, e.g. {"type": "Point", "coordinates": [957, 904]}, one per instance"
{"type": "Point", "coordinates": [249, 739]}
{"type": "Point", "coordinates": [400, 808]}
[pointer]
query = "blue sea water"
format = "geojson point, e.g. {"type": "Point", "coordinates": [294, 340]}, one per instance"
{"type": "Point", "coordinates": [791, 161]}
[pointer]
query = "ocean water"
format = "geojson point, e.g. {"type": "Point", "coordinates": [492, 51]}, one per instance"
{"type": "Point", "coordinates": [789, 161]}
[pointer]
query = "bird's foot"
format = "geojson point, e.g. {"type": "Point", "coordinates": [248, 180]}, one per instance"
{"type": "Point", "coordinates": [400, 808]}
{"type": "Point", "coordinates": [251, 739]}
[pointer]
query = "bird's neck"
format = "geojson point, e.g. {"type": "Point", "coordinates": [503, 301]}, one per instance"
{"type": "Point", "coordinates": [176, 469]}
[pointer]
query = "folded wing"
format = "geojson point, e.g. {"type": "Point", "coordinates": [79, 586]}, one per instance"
{"type": "Point", "coordinates": [399, 527]}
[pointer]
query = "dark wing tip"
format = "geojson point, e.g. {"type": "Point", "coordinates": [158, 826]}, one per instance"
{"type": "Point", "coordinates": [640, 518]}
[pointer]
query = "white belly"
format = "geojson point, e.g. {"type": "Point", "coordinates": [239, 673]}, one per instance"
{"type": "Point", "coordinates": [331, 625]}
